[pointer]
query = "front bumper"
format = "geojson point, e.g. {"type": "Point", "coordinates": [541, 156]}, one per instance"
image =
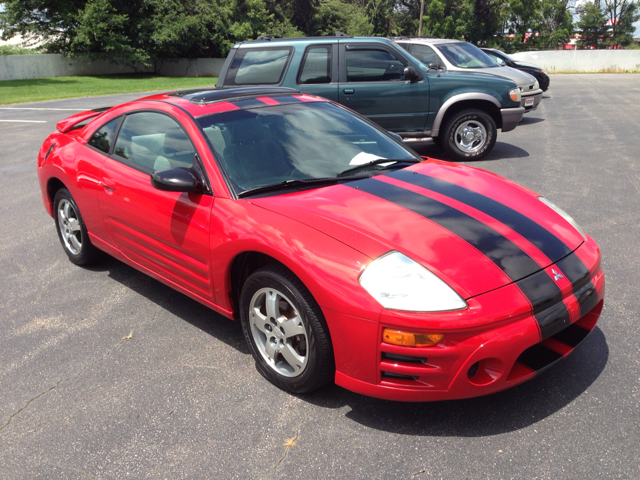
{"type": "Point", "coordinates": [536, 95]}
{"type": "Point", "coordinates": [511, 117]}
{"type": "Point", "coordinates": [499, 344]}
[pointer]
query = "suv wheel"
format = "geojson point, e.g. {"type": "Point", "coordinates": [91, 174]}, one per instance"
{"type": "Point", "coordinates": [469, 135]}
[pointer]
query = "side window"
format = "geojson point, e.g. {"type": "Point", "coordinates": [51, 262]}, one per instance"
{"type": "Point", "coordinates": [316, 66]}
{"type": "Point", "coordinates": [373, 66]}
{"type": "Point", "coordinates": [405, 46]}
{"type": "Point", "coordinates": [104, 137]}
{"type": "Point", "coordinates": [496, 58]}
{"type": "Point", "coordinates": [425, 54]}
{"type": "Point", "coordinates": [155, 141]}
{"type": "Point", "coordinates": [252, 66]}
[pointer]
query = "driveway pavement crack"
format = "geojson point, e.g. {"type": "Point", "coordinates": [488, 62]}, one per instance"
{"type": "Point", "coordinates": [77, 374]}
{"type": "Point", "coordinates": [292, 441]}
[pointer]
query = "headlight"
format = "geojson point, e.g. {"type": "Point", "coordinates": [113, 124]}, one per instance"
{"type": "Point", "coordinates": [563, 214]}
{"type": "Point", "coordinates": [536, 85]}
{"type": "Point", "coordinates": [514, 94]}
{"type": "Point", "coordinates": [399, 283]}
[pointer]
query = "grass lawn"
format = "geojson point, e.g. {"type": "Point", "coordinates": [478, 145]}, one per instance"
{"type": "Point", "coordinates": [38, 89]}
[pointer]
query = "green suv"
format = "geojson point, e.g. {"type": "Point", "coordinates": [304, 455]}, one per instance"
{"type": "Point", "coordinates": [461, 111]}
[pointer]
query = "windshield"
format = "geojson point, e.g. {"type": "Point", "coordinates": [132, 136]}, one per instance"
{"type": "Point", "coordinates": [466, 55]}
{"type": "Point", "coordinates": [301, 141]}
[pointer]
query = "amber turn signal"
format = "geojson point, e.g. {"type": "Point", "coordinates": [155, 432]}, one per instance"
{"type": "Point", "coordinates": [411, 339]}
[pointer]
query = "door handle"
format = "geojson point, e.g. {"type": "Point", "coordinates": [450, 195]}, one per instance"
{"type": "Point", "coordinates": [349, 91]}
{"type": "Point", "coordinates": [108, 185]}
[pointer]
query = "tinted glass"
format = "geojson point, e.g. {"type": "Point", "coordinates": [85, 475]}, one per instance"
{"type": "Point", "coordinates": [103, 138]}
{"type": "Point", "coordinates": [268, 145]}
{"type": "Point", "coordinates": [465, 55]}
{"type": "Point", "coordinates": [258, 66]}
{"type": "Point", "coordinates": [425, 54]}
{"type": "Point", "coordinates": [373, 66]}
{"type": "Point", "coordinates": [155, 141]}
{"type": "Point", "coordinates": [496, 58]}
{"type": "Point", "coordinates": [316, 67]}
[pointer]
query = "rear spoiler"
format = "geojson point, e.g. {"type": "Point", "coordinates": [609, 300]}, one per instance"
{"type": "Point", "coordinates": [70, 122]}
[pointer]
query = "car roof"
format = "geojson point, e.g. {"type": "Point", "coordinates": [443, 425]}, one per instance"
{"type": "Point", "coordinates": [427, 40]}
{"type": "Point", "coordinates": [206, 101]}
{"type": "Point", "coordinates": [310, 40]}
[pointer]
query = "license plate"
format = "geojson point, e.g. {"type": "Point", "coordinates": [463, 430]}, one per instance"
{"type": "Point", "coordinates": [529, 102]}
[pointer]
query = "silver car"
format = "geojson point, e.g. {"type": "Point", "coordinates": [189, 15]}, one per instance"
{"type": "Point", "coordinates": [438, 53]}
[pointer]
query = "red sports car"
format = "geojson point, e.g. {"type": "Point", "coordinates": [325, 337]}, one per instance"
{"type": "Point", "coordinates": [345, 256]}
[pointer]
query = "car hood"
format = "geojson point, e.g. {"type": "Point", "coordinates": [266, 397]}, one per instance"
{"type": "Point", "coordinates": [528, 65]}
{"type": "Point", "coordinates": [474, 229]}
{"type": "Point", "coordinates": [521, 78]}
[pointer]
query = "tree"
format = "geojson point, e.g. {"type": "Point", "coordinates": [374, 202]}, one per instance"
{"type": "Point", "coordinates": [592, 25]}
{"type": "Point", "coordinates": [557, 22]}
{"type": "Point", "coordinates": [621, 15]}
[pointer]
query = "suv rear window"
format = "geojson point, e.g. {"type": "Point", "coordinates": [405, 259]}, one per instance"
{"type": "Point", "coordinates": [258, 66]}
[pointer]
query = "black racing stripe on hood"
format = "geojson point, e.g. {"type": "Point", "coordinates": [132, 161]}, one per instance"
{"type": "Point", "coordinates": [542, 238]}
{"type": "Point", "coordinates": [543, 293]}
{"type": "Point", "coordinates": [580, 277]}
{"type": "Point", "coordinates": [503, 252]}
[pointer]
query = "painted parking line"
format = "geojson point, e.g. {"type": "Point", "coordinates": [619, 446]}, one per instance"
{"type": "Point", "coordinates": [24, 121]}
{"type": "Point", "coordinates": [48, 109]}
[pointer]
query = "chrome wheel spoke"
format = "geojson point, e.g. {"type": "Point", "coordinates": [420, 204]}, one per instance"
{"type": "Point", "coordinates": [74, 225]}
{"type": "Point", "coordinates": [270, 350]}
{"type": "Point", "coordinates": [293, 326]}
{"type": "Point", "coordinates": [297, 362]}
{"type": "Point", "coordinates": [74, 242]}
{"type": "Point", "coordinates": [271, 303]}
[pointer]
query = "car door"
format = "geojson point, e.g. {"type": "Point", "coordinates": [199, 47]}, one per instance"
{"type": "Point", "coordinates": [372, 83]}
{"type": "Point", "coordinates": [167, 233]}
{"type": "Point", "coordinates": [318, 71]}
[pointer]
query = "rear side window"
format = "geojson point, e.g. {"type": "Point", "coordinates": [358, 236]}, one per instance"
{"type": "Point", "coordinates": [373, 66]}
{"type": "Point", "coordinates": [425, 54]}
{"type": "Point", "coordinates": [316, 66]}
{"type": "Point", "coordinates": [258, 66]}
{"type": "Point", "coordinates": [104, 137]}
{"type": "Point", "coordinates": [154, 141]}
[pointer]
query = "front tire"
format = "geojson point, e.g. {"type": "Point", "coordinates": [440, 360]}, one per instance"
{"type": "Point", "coordinates": [72, 231]}
{"type": "Point", "coordinates": [469, 135]}
{"type": "Point", "coordinates": [286, 331]}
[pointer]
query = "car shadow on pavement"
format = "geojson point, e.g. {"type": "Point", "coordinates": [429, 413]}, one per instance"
{"type": "Point", "coordinates": [501, 151]}
{"type": "Point", "coordinates": [530, 121]}
{"type": "Point", "coordinates": [176, 303]}
{"type": "Point", "coordinates": [502, 412]}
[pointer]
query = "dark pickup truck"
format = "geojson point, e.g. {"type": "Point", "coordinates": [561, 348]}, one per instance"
{"type": "Point", "coordinates": [461, 111]}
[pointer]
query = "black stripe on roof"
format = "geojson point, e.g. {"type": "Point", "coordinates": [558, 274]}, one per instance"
{"type": "Point", "coordinates": [546, 241]}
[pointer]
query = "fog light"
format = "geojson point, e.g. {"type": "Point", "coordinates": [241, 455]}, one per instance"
{"type": "Point", "coordinates": [411, 339]}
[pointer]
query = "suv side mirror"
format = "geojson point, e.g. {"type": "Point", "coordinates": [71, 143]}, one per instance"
{"type": "Point", "coordinates": [410, 74]}
{"type": "Point", "coordinates": [174, 180]}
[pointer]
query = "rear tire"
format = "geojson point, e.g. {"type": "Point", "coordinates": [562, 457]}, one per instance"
{"type": "Point", "coordinates": [72, 231]}
{"type": "Point", "coordinates": [286, 331]}
{"type": "Point", "coordinates": [469, 135]}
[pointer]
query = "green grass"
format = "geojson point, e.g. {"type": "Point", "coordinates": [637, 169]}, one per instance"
{"type": "Point", "coordinates": [54, 88]}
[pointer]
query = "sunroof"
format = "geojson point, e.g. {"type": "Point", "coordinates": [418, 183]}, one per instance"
{"type": "Point", "coordinates": [214, 95]}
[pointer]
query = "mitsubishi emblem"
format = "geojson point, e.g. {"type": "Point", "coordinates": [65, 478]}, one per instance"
{"type": "Point", "coordinates": [556, 276]}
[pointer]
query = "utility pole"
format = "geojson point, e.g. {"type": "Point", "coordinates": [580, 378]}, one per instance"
{"type": "Point", "coordinates": [421, 14]}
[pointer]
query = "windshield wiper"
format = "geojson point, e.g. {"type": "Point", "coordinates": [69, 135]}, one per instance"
{"type": "Point", "coordinates": [376, 162]}
{"type": "Point", "coordinates": [294, 182]}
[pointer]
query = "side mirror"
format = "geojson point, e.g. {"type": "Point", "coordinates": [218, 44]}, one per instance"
{"type": "Point", "coordinates": [410, 74]}
{"type": "Point", "coordinates": [174, 180]}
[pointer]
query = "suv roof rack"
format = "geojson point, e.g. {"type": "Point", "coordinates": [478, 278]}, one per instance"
{"type": "Point", "coordinates": [210, 96]}
{"type": "Point", "coordinates": [268, 37]}
{"type": "Point", "coordinates": [338, 33]}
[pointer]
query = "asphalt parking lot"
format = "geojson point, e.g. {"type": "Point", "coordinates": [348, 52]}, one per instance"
{"type": "Point", "coordinates": [106, 373]}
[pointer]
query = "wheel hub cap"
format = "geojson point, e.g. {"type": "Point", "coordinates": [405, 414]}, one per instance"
{"type": "Point", "coordinates": [470, 136]}
{"type": "Point", "coordinates": [278, 332]}
{"type": "Point", "coordinates": [69, 226]}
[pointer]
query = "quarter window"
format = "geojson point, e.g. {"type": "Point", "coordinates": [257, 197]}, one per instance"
{"type": "Point", "coordinates": [373, 66]}
{"type": "Point", "coordinates": [154, 141]}
{"type": "Point", "coordinates": [104, 137]}
{"type": "Point", "coordinates": [316, 67]}
{"type": "Point", "coordinates": [253, 66]}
